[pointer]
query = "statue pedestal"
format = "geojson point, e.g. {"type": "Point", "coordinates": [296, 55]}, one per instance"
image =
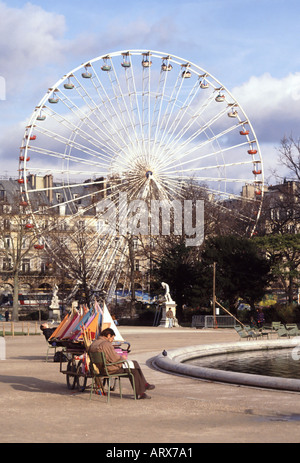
{"type": "Point", "coordinates": [164, 322]}
{"type": "Point", "coordinates": [54, 310]}
{"type": "Point", "coordinates": [54, 313]}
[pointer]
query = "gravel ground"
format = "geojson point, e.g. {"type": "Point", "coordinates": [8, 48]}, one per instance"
{"type": "Point", "coordinates": [37, 407]}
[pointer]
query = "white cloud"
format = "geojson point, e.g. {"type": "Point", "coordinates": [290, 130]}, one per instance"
{"type": "Point", "coordinates": [31, 37]}
{"type": "Point", "coordinates": [272, 105]}
{"type": "Point", "coordinates": [35, 52]}
{"type": "Point", "coordinates": [119, 34]}
{"type": "Point", "coordinates": [10, 142]}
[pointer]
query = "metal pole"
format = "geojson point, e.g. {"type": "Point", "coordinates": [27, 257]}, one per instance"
{"type": "Point", "coordinates": [214, 294]}
{"type": "Point", "coordinates": [230, 314]}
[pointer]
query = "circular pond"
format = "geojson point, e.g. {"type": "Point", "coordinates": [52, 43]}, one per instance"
{"type": "Point", "coordinates": [281, 363]}
{"type": "Point", "coordinates": [271, 364]}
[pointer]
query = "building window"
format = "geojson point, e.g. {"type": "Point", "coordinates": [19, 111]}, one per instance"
{"type": "Point", "coordinates": [6, 224]}
{"type": "Point", "coordinates": [43, 266]}
{"type": "Point", "coordinates": [77, 198]}
{"type": "Point", "coordinates": [25, 266]}
{"type": "Point", "coordinates": [62, 225]}
{"type": "Point", "coordinates": [7, 208]}
{"type": "Point", "coordinates": [6, 264]}
{"type": "Point", "coordinates": [45, 224]}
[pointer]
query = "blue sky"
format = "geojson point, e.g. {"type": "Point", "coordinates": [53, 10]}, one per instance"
{"type": "Point", "coordinates": [251, 47]}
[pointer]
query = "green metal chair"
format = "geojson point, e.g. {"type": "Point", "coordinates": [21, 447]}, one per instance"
{"type": "Point", "coordinates": [273, 329]}
{"type": "Point", "coordinates": [292, 329]}
{"type": "Point", "coordinates": [276, 325]}
{"type": "Point", "coordinates": [242, 333]}
{"type": "Point", "coordinates": [49, 348]}
{"type": "Point", "coordinates": [257, 332]}
{"type": "Point", "coordinates": [55, 347]}
{"type": "Point", "coordinates": [283, 332]}
{"type": "Point", "coordinates": [253, 332]}
{"type": "Point", "coordinates": [99, 370]}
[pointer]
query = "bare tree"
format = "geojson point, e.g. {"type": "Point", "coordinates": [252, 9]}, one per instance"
{"type": "Point", "coordinates": [71, 251]}
{"type": "Point", "coordinates": [281, 211]}
{"type": "Point", "coordinates": [289, 156]}
{"type": "Point", "coordinates": [17, 241]}
{"type": "Point", "coordinates": [281, 206]}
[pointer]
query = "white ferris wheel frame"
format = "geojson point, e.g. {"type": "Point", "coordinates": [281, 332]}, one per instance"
{"type": "Point", "coordinates": [186, 66]}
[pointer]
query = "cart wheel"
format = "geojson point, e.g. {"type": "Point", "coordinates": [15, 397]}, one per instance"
{"type": "Point", "coordinates": [71, 378]}
{"type": "Point", "coordinates": [81, 377]}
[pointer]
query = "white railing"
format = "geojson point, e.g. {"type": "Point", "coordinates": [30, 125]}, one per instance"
{"type": "Point", "coordinates": [207, 321]}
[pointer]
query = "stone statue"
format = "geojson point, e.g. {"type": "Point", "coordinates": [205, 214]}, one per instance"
{"type": "Point", "coordinates": [167, 305]}
{"type": "Point", "coordinates": [54, 301]}
{"type": "Point", "coordinates": [167, 292]}
{"type": "Point", "coordinates": [54, 310]}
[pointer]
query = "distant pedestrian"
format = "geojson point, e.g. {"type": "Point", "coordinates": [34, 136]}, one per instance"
{"type": "Point", "coordinates": [115, 320]}
{"type": "Point", "coordinates": [260, 318]}
{"type": "Point", "coordinates": [170, 317]}
{"type": "Point", "coordinates": [253, 323]}
{"type": "Point", "coordinates": [6, 315]}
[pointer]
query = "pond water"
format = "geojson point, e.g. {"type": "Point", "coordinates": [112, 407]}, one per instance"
{"type": "Point", "coordinates": [280, 362]}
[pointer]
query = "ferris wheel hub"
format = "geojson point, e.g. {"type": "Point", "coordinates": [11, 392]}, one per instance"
{"type": "Point", "coordinates": [149, 174]}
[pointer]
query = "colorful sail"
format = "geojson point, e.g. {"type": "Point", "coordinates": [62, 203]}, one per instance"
{"type": "Point", "coordinates": [108, 322]}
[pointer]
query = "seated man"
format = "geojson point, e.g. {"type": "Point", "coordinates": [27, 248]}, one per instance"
{"type": "Point", "coordinates": [47, 332]}
{"type": "Point", "coordinates": [104, 344]}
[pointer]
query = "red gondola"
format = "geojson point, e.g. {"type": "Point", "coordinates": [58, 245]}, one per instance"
{"type": "Point", "coordinates": [38, 246]}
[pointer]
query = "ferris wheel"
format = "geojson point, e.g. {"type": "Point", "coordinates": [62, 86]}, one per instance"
{"type": "Point", "coordinates": [145, 123]}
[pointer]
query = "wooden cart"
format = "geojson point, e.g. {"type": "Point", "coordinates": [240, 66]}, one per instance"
{"type": "Point", "coordinates": [77, 370]}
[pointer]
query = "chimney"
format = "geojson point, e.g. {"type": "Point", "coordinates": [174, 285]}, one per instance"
{"type": "Point", "coordinates": [48, 183]}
